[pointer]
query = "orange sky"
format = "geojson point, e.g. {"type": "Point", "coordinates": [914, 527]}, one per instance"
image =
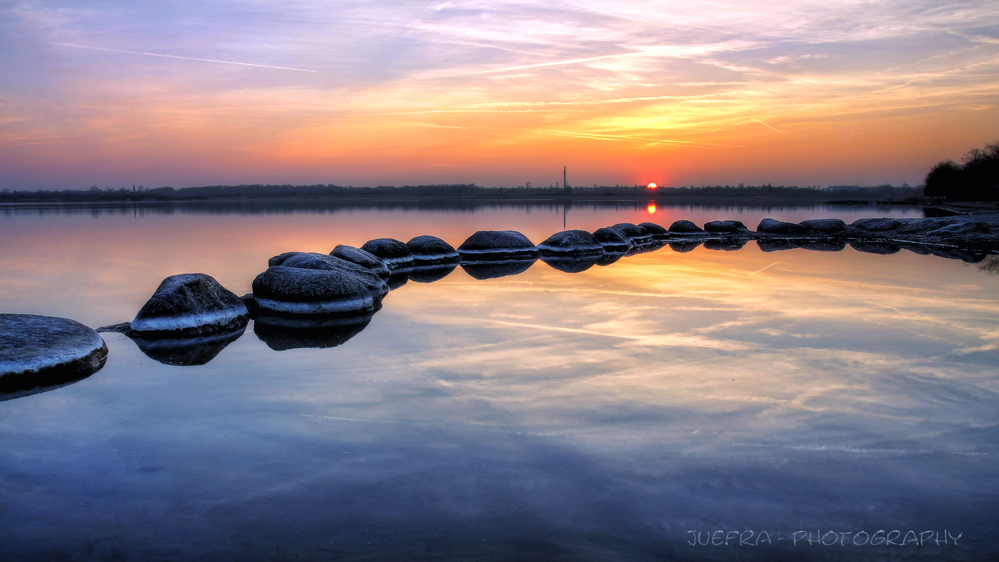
{"type": "Point", "coordinates": [814, 93]}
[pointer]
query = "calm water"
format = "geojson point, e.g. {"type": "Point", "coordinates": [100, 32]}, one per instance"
{"type": "Point", "coordinates": [797, 405]}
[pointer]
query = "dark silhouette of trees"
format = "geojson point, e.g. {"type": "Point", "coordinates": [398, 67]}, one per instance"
{"type": "Point", "coordinates": [977, 179]}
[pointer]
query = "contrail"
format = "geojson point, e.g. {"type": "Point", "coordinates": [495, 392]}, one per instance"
{"type": "Point", "coordinates": [562, 62]}
{"type": "Point", "coordinates": [765, 125]}
{"type": "Point", "coordinates": [765, 268]}
{"type": "Point", "coordinates": [184, 58]}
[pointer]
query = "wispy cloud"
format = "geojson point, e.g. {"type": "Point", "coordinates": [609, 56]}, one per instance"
{"type": "Point", "coordinates": [181, 57]}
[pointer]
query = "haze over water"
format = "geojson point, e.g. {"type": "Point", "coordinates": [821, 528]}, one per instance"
{"type": "Point", "coordinates": [618, 413]}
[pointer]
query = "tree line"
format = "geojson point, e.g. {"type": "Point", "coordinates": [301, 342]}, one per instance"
{"type": "Point", "coordinates": [975, 179]}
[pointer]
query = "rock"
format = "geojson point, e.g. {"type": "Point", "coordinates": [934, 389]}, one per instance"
{"type": "Point", "coordinates": [189, 305]}
{"type": "Point", "coordinates": [432, 251]}
{"type": "Point", "coordinates": [497, 246]}
{"type": "Point", "coordinates": [612, 240]}
{"type": "Point", "coordinates": [635, 233]}
{"type": "Point", "coordinates": [961, 229]}
{"type": "Point", "coordinates": [656, 231]}
{"type": "Point", "coordinates": [39, 353]}
{"type": "Point", "coordinates": [393, 253]}
{"type": "Point", "coordinates": [294, 291]}
{"type": "Point", "coordinates": [774, 226]}
{"type": "Point", "coordinates": [726, 227]}
{"type": "Point", "coordinates": [279, 259]}
{"type": "Point", "coordinates": [364, 259]}
{"type": "Point", "coordinates": [685, 227]}
{"type": "Point", "coordinates": [881, 248]}
{"type": "Point", "coordinates": [310, 260]}
{"type": "Point", "coordinates": [876, 225]}
{"type": "Point", "coordinates": [571, 243]}
{"type": "Point", "coordinates": [824, 226]}
{"type": "Point", "coordinates": [777, 244]}
{"type": "Point", "coordinates": [492, 270]}
{"type": "Point", "coordinates": [187, 351]}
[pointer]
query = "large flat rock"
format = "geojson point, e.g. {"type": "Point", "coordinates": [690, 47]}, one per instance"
{"type": "Point", "coordinates": [44, 351]}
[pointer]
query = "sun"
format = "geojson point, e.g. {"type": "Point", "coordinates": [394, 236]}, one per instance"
{"type": "Point", "coordinates": [652, 185]}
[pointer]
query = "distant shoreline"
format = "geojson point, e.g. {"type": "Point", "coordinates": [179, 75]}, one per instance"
{"type": "Point", "coordinates": [465, 195]}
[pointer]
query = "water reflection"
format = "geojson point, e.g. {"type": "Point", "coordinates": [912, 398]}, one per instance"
{"type": "Point", "coordinates": [281, 334]}
{"type": "Point", "coordinates": [284, 334]}
{"type": "Point", "coordinates": [187, 351]}
{"type": "Point", "coordinates": [489, 270]}
{"type": "Point", "coordinates": [601, 415]}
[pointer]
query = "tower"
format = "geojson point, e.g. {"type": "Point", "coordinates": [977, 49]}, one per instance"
{"type": "Point", "coordinates": [565, 185]}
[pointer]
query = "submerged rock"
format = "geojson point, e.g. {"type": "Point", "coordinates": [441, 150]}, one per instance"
{"type": "Point", "coordinates": [362, 258]}
{"type": "Point", "coordinates": [392, 252]}
{"type": "Point", "coordinates": [824, 226]}
{"type": "Point", "coordinates": [571, 243]}
{"type": "Point", "coordinates": [613, 240]}
{"type": "Point", "coordinates": [39, 353]}
{"type": "Point", "coordinates": [774, 226]}
{"type": "Point", "coordinates": [726, 227]}
{"type": "Point", "coordinates": [432, 251]}
{"type": "Point", "coordinates": [656, 231]}
{"type": "Point", "coordinates": [497, 246]}
{"type": "Point", "coordinates": [187, 305]}
{"type": "Point", "coordinates": [684, 226]}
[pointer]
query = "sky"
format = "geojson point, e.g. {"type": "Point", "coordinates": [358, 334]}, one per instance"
{"type": "Point", "coordinates": [117, 93]}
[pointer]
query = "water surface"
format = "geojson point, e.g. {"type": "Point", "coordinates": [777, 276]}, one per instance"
{"type": "Point", "coordinates": [763, 399]}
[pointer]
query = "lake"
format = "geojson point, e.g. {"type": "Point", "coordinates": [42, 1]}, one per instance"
{"type": "Point", "coordinates": [681, 404]}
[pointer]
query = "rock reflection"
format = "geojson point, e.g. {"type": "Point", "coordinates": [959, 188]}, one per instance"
{"type": "Point", "coordinates": [824, 245]}
{"type": "Point", "coordinates": [682, 247]}
{"type": "Point", "coordinates": [483, 271]}
{"type": "Point", "coordinates": [187, 351]}
{"type": "Point", "coordinates": [881, 248]}
{"type": "Point", "coordinates": [283, 334]}
{"type": "Point", "coordinates": [431, 274]}
{"type": "Point", "coordinates": [572, 265]}
{"type": "Point", "coordinates": [726, 244]}
{"type": "Point", "coordinates": [777, 244]}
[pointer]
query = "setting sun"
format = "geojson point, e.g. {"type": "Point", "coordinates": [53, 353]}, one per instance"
{"type": "Point", "coordinates": [652, 185]}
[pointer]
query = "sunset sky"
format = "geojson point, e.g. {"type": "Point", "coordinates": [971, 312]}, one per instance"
{"type": "Point", "coordinates": [183, 92]}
